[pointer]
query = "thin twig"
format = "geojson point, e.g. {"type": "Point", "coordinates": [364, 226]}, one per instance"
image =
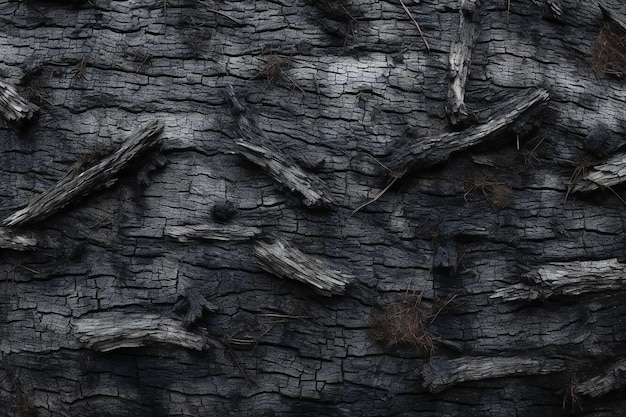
{"type": "Point", "coordinates": [219, 12]}
{"type": "Point", "coordinates": [380, 194]}
{"type": "Point", "coordinates": [408, 12]}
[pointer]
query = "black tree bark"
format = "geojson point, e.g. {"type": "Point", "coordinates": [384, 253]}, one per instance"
{"type": "Point", "coordinates": [317, 207]}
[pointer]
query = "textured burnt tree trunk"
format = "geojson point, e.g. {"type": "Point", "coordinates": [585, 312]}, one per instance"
{"type": "Point", "coordinates": [307, 208]}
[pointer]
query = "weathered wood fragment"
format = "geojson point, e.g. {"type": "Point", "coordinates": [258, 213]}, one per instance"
{"type": "Point", "coordinates": [286, 261]}
{"type": "Point", "coordinates": [9, 240]}
{"type": "Point", "coordinates": [257, 149]}
{"type": "Point", "coordinates": [425, 152]}
{"type": "Point", "coordinates": [615, 11]}
{"type": "Point", "coordinates": [14, 107]}
{"type": "Point", "coordinates": [218, 232]}
{"type": "Point", "coordinates": [460, 61]}
{"type": "Point", "coordinates": [441, 374]}
{"type": "Point", "coordinates": [117, 330]}
{"type": "Point", "coordinates": [194, 304]}
{"type": "Point", "coordinates": [614, 378]}
{"type": "Point", "coordinates": [72, 188]}
{"type": "Point", "coordinates": [567, 278]}
{"type": "Point", "coordinates": [607, 174]}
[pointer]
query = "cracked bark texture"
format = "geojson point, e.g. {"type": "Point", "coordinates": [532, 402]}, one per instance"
{"type": "Point", "coordinates": [146, 298]}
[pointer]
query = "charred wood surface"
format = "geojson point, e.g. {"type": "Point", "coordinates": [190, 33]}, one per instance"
{"type": "Point", "coordinates": [150, 297]}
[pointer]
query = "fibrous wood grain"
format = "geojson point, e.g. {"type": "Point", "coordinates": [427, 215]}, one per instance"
{"type": "Point", "coordinates": [14, 107]}
{"type": "Point", "coordinates": [286, 261]}
{"type": "Point", "coordinates": [116, 330]}
{"type": "Point", "coordinates": [441, 374]}
{"type": "Point", "coordinates": [219, 232]}
{"type": "Point", "coordinates": [102, 175]}
{"type": "Point", "coordinates": [460, 61]}
{"type": "Point", "coordinates": [568, 279]}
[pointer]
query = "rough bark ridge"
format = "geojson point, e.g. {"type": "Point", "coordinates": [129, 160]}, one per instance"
{"type": "Point", "coordinates": [485, 276]}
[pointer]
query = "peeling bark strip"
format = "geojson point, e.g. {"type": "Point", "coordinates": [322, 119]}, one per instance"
{"type": "Point", "coordinates": [285, 261]}
{"type": "Point", "coordinates": [13, 106]}
{"type": "Point", "coordinates": [614, 378]}
{"type": "Point", "coordinates": [460, 61]}
{"type": "Point", "coordinates": [16, 242]}
{"type": "Point", "coordinates": [255, 147]}
{"type": "Point", "coordinates": [102, 175]}
{"type": "Point", "coordinates": [567, 278]}
{"type": "Point", "coordinates": [608, 174]}
{"type": "Point", "coordinates": [441, 374]}
{"type": "Point", "coordinates": [211, 232]}
{"type": "Point", "coordinates": [432, 150]}
{"type": "Point", "coordinates": [123, 330]}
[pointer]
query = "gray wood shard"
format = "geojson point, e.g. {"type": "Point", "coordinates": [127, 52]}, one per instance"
{"type": "Point", "coordinates": [460, 61]}
{"type": "Point", "coordinates": [285, 261]}
{"type": "Point", "coordinates": [119, 330]}
{"type": "Point", "coordinates": [614, 378]}
{"type": "Point", "coordinates": [256, 148]}
{"type": "Point", "coordinates": [104, 174]}
{"type": "Point", "coordinates": [607, 174]}
{"type": "Point", "coordinates": [567, 278]}
{"type": "Point", "coordinates": [14, 107]}
{"type": "Point", "coordinates": [441, 374]}
{"type": "Point", "coordinates": [615, 11]}
{"type": "Point", "coordinates": [9, 240]}
{"type": "Point", "coordinates": [217, 232]}
{"type": "Point", "coordinates": [425, 152]}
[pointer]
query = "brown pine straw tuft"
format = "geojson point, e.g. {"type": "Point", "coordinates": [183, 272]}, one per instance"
{"type": "Point", "coordinates": [609, 51]}
{"type": "Point", "coordinates": [403, 323]}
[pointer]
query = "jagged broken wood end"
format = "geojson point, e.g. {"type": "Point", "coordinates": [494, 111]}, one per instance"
{"type": "Point", "coordinates": [14, 107]}
{"type": "Point", "coordinates": [285, 261]}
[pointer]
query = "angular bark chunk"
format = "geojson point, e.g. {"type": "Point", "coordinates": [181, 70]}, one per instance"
{"type": "Point", "coordinates": [567, 278]}
{"type": "Point", "coordinates": [194, 304]}
{"type": "Point", "coordinates": [285, 261]}
{"type": "Point", "coordinates": [256, 148]}
{"type": "Point", "coordinates": [441, 374]}
{"type": "Point", "coordinates": [612, 379]}
{"type": "Point", "coordinates": [211, 232]}
{"type": "Point", "coordinates": [101, 175]}
{"type": "Point", "coordinates": [426, 152]}
{"type": "Point", "coordinates": [14, 107]}
{"type": "Point", "coordinates": [118, 330]}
